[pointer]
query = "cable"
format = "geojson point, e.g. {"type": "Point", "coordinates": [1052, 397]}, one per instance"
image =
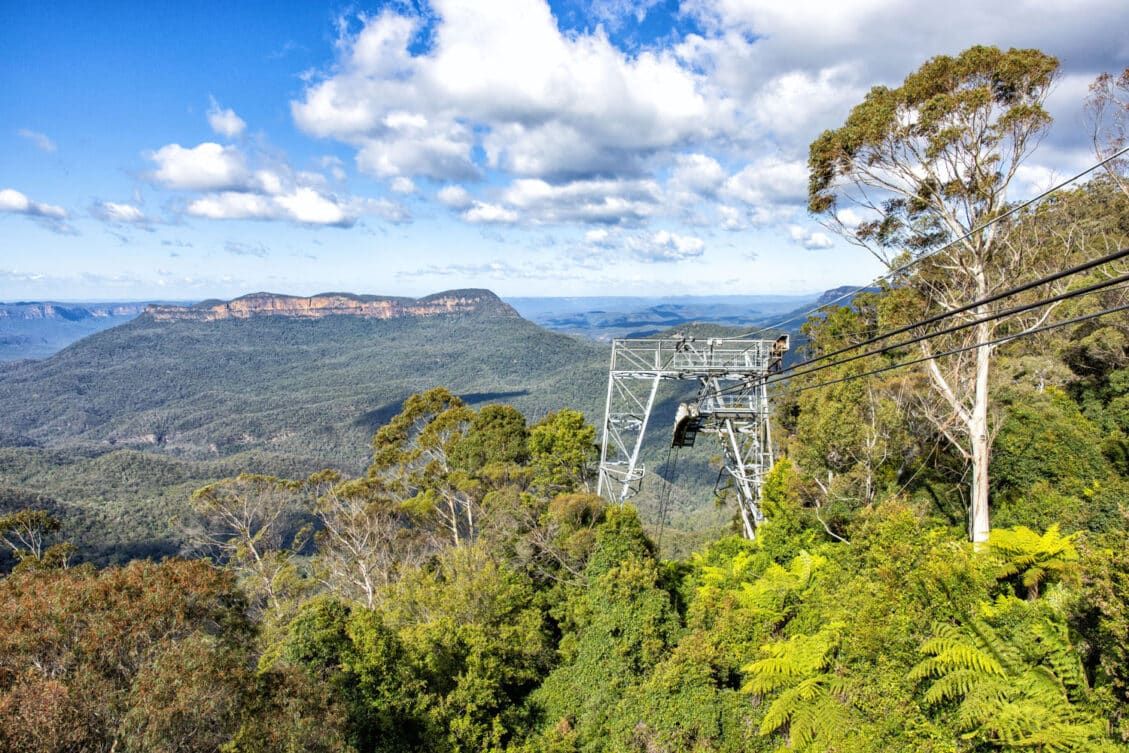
{"type": "Point", "coordinates": [974, 346]}
{"type": "Point", "coordinates": [1078, 292]}
{"type": "Point", "coordinates": [784, 373]}
{"type": "Point", "coordinates": [968, 307]}
{"type": "Point", "coordinates": [664, 495]}
{"type": "Point", "coordinates": [969, 234]}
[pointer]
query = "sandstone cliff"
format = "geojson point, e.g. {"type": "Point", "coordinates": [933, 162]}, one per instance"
{"type": "Point", "coordinates": [335, 304]}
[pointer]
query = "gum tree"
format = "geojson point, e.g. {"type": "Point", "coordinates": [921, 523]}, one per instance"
{"type": "Point", "coordinates": [931, 162]}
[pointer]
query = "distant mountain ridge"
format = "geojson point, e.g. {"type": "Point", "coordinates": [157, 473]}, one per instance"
{"type": "Point", "coordinates": [37, 329]}
{"type": "Point", "coordinates": [71, 312]}
{"type": "Point", "coordinates": [335, 304]}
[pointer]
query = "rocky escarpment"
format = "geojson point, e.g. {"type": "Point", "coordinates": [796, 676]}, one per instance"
{"type": "Point", "coordinates": [335, 304]}
{"type": "Point", "coordinates": [71, 312]}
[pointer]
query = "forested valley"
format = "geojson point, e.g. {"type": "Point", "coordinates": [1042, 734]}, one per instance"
{"type": "Point", "coordinates": [468, 591]}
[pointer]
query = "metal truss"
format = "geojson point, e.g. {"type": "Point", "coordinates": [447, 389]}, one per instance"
{"type": "Point", "coordinates": [732, 404]}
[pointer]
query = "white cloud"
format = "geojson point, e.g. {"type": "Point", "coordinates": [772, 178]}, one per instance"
{"type": "Point", "coordinates": [41, 140]}
{"type": "Point", "coordinates": [303, 205]}
{"type": "Point", "coordinates": [205, 167]}
{"type": "Point", "coordinates": [115, 212]}
{"type": "Point", "coordinates": [455, 197]}
{"type": "Point", "coordinates": [403, 184]}
{"type": "Point", "coordinates": [50, 216]}
{"type": "Point", "coordinates": [335, 166]}
{"type": "Point", "coordinates": [612, 244]}
{"type": "Point", "coordinates": [697, 173]}
{"type": "Point", "coordinates": [770, 180]}
{"type": "Point", "coordinates": [718, 120]}
{"type": "Point", "coordinates": [233, 190]}
{"type": "Point", "coordinates": [233, 205]}
{"type": "Point", "coordinates": [598, 236]}
{"type": "Point", "coordinates": [809, 239]}
{"type": "Point", "coordinates": [224, 121]}
{"type": "Point", "coordinates": [15, 202]}
{"type": "Point", "coordinates": [545, 104]}
{"type": "Point", "coordinates": [665, 246]}
{"type": "Point", "coordinates": [483, 212]}
{"type": "Point", "coordinates": [307, 206]}
{"type": "Point", "coordinates": [584, 201]}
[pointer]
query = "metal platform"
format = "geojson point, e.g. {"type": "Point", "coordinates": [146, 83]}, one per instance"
{"type": "Point", "coordinates": [732, 404]}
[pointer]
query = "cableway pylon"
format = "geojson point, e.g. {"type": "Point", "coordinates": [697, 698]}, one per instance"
{"type": "Point", "coordinates": [731, 404]}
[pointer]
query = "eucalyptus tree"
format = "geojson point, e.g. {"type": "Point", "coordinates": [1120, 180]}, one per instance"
{"type": "Point", "coordinates": [1107, 108]}
{"type": "Point", "coordinates": [925, 167]}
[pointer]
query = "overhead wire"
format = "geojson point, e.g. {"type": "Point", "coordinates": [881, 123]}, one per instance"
{"type": "Point", "coordinates": [973, 346]}
{"type": "Point", "coordinates": [917, 259]}
{"type": "Point", "coordinates": [940, 316]}
{"type": "Point", "coordinates": [791, 372]}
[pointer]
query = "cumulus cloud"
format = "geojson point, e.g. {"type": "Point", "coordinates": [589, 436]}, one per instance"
{"type": "Point", "coordinates": [119, 213]}
{"type": "Point", "coordinates": [234, 190]}
{"type": "Point", "coordinates": [50, 216]}
{"type": "Point", "coordinates": [483, 212]}
{"type": "Point", "coordinates": [770, 180]}
{"type": "Point", "coordinates": [41, 140]}
{"type": "Point", "coordinates": [224, 121]}
{"type": "Point", "coordinates": [809, 239]}
{"type": "Point", "coordinates": [697, 173]}
{"type": "Point", "coordinates": [403, 185]}
{"type": "Point", "coordinates": [717, 119]}
{"type": "Point", "coordinates": [455, 197]}
{"type": "Point", "coordinates": [543, 103]}
{"type": "Point", "coordinates": [205, 167]}
{"type": "Point", "coordinates": [584, 201]}
{"type": "Point", "coordinates": [609, 244]}
{"type": "Point", "coordinates": [663, 245]}
{"type": "Point", "coordinates": [302, 205]}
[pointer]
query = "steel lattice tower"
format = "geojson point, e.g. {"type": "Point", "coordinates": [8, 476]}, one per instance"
{"type": "Point", "coordinates": [732, 404]}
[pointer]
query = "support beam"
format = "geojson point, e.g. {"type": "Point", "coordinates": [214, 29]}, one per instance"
{"type": "Point", "coordinates": [732, 404]}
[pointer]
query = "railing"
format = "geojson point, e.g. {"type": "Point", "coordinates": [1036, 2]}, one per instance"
{"type": "Point", "coordinates": [673, 356]}
{"type": "Point", "coordinates": [730, 404]}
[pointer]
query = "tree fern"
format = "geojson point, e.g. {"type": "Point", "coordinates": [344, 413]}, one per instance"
{"type": "Point", "coordinates": [1032, 557]}
{"type": "Point", "coordinates": [778, 586]}
{"type": "Point", "coordinates": [808, 696]}
{"type": "Point", "coordinates": [1025, 692]}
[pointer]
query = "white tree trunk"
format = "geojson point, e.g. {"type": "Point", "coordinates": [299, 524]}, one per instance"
{"type": "Point", "coordinates": [979, 442]}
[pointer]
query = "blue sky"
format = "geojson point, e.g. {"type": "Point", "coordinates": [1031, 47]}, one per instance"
{"type": "Point", "coordinates": [194, 150]}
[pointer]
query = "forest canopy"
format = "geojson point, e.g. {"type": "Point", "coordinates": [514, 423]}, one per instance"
{"type": "Point", "coordinates": [469, 592]}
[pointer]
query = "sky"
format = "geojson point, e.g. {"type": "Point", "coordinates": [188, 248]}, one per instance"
{"type": "Point", "coordinates": [182, 151]}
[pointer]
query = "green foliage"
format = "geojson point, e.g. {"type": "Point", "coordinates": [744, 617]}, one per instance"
{"type": "Point", "coordinates": [469, 593]}
{"type": "Point", "coordinates": [562, 449]}
{"type": "Point", "coordinates": [983, 96]}
{"type": "Point", "coordinates": [620, 537]}
{"type": "Point", "coordinates": [1034, 558]}
{"type": "Point", "coordinates": [807, 693]}
{"type": "Point", "coordinates": [122, 426]}
{"type": "Point", "coordinates": [1022, 691]}
{"type": "Point", "coordinates": [28, 533]}
{"type": "Point", "coordinates": [1101, 618]}
{"type": "Point", "coordinates": [624, 626]}
{"type": "Point", "coordinates": [1045, 437]}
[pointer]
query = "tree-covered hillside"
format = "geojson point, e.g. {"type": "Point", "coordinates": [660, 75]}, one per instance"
{"type": "Point", "coordinates": [121, 426]}
{"type": "Point", "coordinates": [915, 586]}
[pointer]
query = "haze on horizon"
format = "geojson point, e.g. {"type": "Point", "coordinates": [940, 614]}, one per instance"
{"type": "Point", "coordinates": [568, 148]}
